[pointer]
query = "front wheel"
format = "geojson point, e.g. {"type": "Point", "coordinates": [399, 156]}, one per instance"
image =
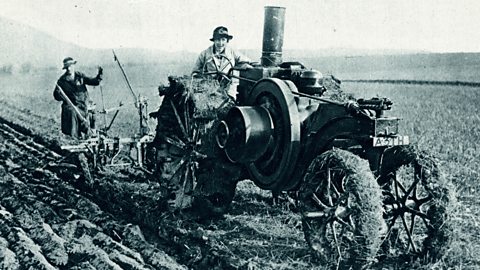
{"type": "Point", "coordinates": [418, 201]}
{"type": "Point", "coordinates": [340, 203]}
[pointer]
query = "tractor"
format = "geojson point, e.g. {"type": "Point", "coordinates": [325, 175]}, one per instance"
{"type": "Point", "coordinates": [364, 193]}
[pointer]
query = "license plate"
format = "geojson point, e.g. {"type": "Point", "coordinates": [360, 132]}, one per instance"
{"type": "Point", "coordinates": [390, 141]}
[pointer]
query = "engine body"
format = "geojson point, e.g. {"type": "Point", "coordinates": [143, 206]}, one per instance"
{"type": "Point", "coordinates": [282, 122]}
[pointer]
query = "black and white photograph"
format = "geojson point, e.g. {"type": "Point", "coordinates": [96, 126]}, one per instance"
{"type": "Point", "coordinates": [254, 134]}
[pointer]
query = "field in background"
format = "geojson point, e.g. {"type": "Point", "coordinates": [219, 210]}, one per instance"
{"type": "Point", "coordinates": [442, 119]}
{"type": "Point", "coordinates": [429, 67]}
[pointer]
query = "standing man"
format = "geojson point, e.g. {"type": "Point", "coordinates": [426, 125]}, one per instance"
{"type": "Point", "coordinates": [220, 57]}
{"type": "Point", "coordinates": [73, 84]}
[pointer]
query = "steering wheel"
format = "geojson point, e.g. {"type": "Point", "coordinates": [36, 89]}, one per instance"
{"type": "Point", "coordinates": [218, 74]}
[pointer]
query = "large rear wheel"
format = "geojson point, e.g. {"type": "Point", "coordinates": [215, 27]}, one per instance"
{"type": "Point", "coordinates": [183, 155]}
{"type": "Point", "coordinates": [340, 203]}
{"type": "Point", "coordinates": [189, 161]}
{"type": "Point", "coordinates": [418, 201]}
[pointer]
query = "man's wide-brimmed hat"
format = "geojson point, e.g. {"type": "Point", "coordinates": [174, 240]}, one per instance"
{"type": "Point", "coordinates": [68, 62]}
{"type": "Point", "coordinates": [220, 32]}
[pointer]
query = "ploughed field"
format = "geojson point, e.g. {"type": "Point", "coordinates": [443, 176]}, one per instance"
{"type": "Point", "coordinates": [50, 219]}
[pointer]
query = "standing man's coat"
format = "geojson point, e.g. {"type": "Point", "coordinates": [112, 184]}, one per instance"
{"type": "Point", "coordinates": [76, 90]}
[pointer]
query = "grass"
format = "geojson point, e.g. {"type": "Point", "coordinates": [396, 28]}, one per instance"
{"type": "Point", "coordinates": [445, 121]}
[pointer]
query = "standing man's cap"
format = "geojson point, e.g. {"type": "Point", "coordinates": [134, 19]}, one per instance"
{"type": "Point", "coordinates": [220, 32]}
{"type": "Point", "coordinates": [68, 62]}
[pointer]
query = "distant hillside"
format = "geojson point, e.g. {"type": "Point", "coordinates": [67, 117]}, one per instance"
{"type": "Point", "coordinates": [24, 44]}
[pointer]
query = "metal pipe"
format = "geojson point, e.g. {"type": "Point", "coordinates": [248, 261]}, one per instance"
{"type": "Point", "coordinates": [103, 107]}
{"type": "Point", "coordinates": [273, 29]}
{"type": "Point", "coordinates": [115, 58]}
{"type": "Point", "coordinates": [319, 98]}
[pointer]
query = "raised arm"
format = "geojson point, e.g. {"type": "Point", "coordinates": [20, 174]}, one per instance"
{"type": "Point", "coordinates": [95, 80]}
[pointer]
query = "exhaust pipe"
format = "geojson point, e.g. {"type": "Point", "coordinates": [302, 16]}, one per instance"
{"type": "Point", "coordinates": [273, 29]}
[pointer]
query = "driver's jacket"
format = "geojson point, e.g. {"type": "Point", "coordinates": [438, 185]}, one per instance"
{"type": "Point", "coordinates": [208, 61]}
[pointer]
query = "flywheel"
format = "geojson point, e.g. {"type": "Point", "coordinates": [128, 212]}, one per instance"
{"type": "Point", "coordinates": [273, 168]}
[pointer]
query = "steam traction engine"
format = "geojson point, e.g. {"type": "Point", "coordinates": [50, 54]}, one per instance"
{"type": "Point", "coordinates": [363, 192]}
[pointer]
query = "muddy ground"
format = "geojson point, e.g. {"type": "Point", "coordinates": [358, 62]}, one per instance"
{"type": "Point", "coordinates": [50, 218]}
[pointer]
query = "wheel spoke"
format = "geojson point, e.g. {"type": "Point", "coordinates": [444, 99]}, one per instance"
{"type": "Point", "coordinates": [393, 176]}
{"type": "Point", "coordinates": [344, 214]}
{"type": "Point", "coordinates": [342, 184]}
{"type": "Point", "coordinates": [329, 184]}
{"type": "Point", "coordinates": [400, 185]}
{"type": "Point", "coordinates": [175, 142]}
{"type": "Point", "coordinates": [334, 232]}
{"type": "Point", "coordinates": [410, 238]}
{"type": "Point", "coordinates": [426, 221]}
{"type": "Point", "coordinates": [186, 116]}
{"type": "Point", "coordinates": [187, 185]}
{"type": "Point", "coordinates": [414, 193]}
{"type": "Point", "coordinates": [179, 121]}
{"type": "Point", "coordinates": [334, 188]}
{"type": "Point", "coordinates": [319, 202]}
{"type": "Point", "coordinates": [320, 187]}
{"type": "Point", "coordinates": [397, 195]}
{"type": "Point", "coordinates": [194, 175]}
{"type": "Point", "coordinates": [189, 124]}
{"type": "Point", "coordinates": [392, 224]}
{"type": "Point", "coordinates": [396, 236]}
{"type": "Point", "coordinates": [348, 224]}
{"type": "Point", "coordinates": [417, 213]}
{"type": "Point", "coordinates": [195, 135]}
{"type": "Point", "coordinates": [389, 195]}
{"type": "Point", "coordinates": [412, 224]}
{"type": "Point", "coordinates": [412, 187]}
{"type": "Point", "coordinates": [424, 200]}
{"type": "Point", "coordinates": [197, 155]}
{"type": "Point", "coordinates": [177, 168]}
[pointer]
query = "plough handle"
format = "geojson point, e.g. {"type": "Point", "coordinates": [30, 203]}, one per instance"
{"type": "Point", "coordinates": [75, 109]}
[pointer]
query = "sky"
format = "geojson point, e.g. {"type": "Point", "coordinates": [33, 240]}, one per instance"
{"type": "Point", "coordinates": [187, 25]}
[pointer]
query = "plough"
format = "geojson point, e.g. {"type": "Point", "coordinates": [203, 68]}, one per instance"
{"type": "Point", "coordinates": [103, 150]}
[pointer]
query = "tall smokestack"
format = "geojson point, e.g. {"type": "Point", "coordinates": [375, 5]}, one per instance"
{"type": "Point", "coordinates": [273, 36]}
